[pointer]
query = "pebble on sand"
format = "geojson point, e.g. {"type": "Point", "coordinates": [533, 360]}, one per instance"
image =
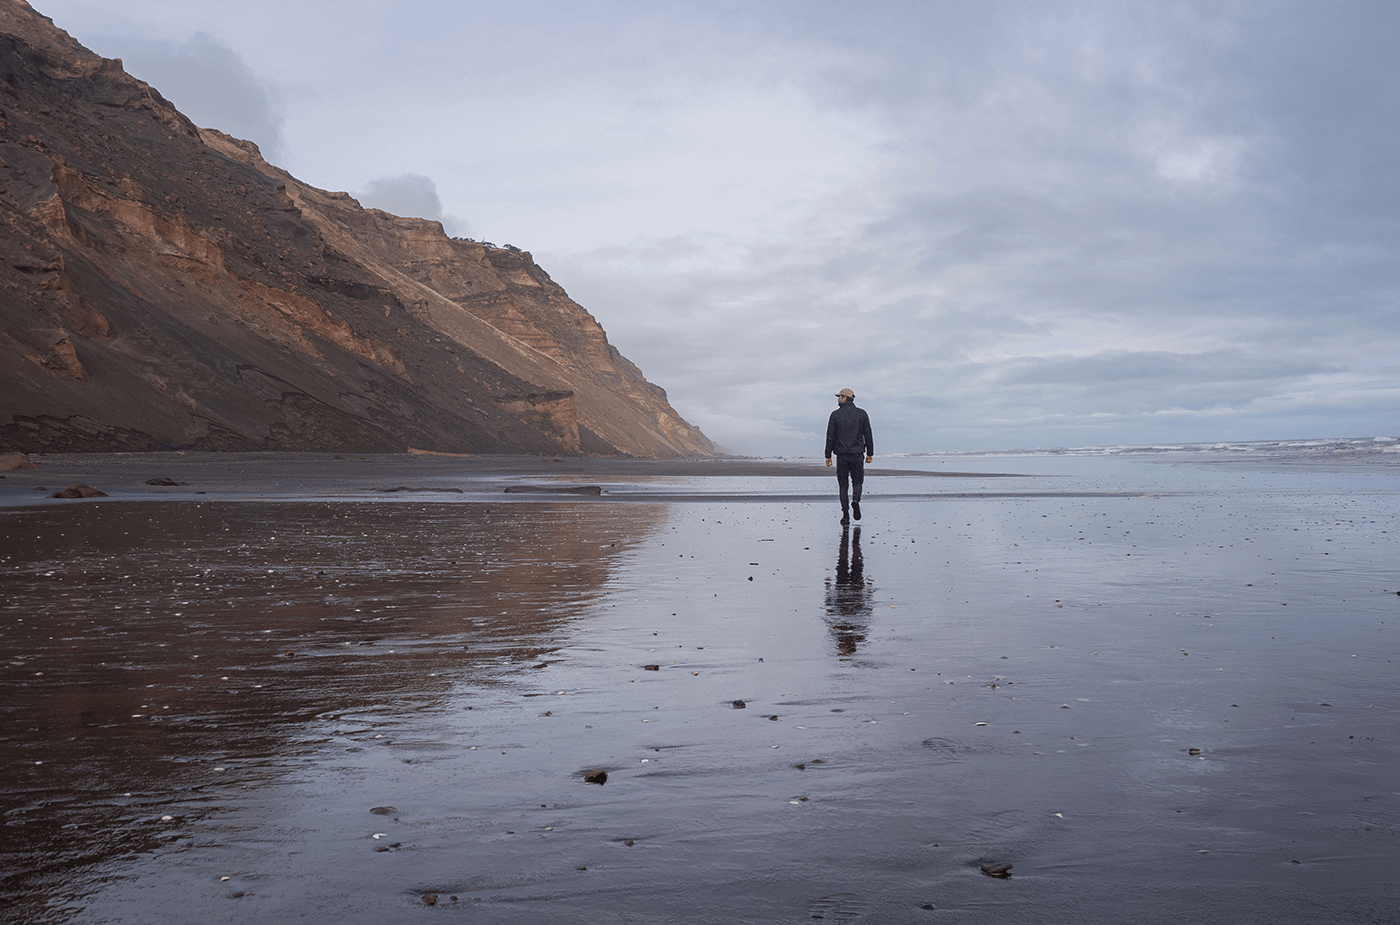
{"type": "Point", "coordinates": [79, 491]}
{"type": "Point", "coordinates": [596, 776]}
{"type": "Point", "coordinates": [430, 898]}
{"type": "Point", "coordinates": [1001, 871]}
{"type": "Point", "coordinates": [739, 705]}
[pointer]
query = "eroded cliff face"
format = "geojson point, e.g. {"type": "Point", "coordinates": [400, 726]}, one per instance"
{"type": "Point", "coordinates": [162, 286]}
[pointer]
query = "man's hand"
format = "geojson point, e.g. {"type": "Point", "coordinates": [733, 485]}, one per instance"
{"type": "Point", "coordinates": [828, 462]}
{"type": "Point", "coordinates": [870, 458]}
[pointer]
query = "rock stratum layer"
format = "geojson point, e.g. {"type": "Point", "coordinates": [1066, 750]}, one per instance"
{"type": "Point", "coordinates": [162, 287]}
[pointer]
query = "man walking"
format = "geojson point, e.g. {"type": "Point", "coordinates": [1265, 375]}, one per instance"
{"type": "Point", "coordinates": [848, 436]}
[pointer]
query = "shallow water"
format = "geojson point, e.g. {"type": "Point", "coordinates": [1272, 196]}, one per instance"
{"type": "Point", "coordinates": [267, 673]}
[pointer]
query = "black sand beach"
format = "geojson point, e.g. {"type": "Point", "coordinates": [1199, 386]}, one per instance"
{"type": "Point", "coordinates": [367, 690]}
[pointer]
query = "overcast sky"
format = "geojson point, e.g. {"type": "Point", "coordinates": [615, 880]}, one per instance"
{"type": "Point", "coordinates": [1003, 224]}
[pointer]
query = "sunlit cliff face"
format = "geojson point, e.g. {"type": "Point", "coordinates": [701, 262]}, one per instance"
{"type": "Point", "coordinates": [165, 287]}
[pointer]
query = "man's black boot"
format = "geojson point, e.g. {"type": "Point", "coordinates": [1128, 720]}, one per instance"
{"type": "Point", "coordinates": [855, 509]}
{"type": "Point", "coordinates": [845, 517]}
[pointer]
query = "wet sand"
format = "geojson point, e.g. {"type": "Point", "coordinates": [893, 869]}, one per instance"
{"type": "Point", "coordinates": [345, 699]}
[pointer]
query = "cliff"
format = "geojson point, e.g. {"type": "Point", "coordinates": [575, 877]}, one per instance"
{"type": "Point", "coordinates": [162, 286]}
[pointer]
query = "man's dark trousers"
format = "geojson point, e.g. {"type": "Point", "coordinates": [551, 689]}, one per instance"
{"type": "Point", "coordinates": [850, 468]}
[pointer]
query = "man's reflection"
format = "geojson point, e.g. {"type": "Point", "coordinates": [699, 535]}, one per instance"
{"type": "Point", "coordinates": [848, 607]}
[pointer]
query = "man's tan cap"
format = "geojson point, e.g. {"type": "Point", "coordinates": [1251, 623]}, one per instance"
{"type": "Point", "coordinates": [845, 393]}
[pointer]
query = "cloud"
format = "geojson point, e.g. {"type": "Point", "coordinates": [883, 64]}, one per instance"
{"type": "Point", "coordinates": [1082, 220]}
{"type": "Point", "coordinates": [411, 195]}
{"type": "Point", "coordinates": [1001, 223]}
{"type": "Point", "coordinates": [211, 84]}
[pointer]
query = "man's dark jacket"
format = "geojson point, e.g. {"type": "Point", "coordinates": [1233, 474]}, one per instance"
{"type": "Point", "coordinates": [848, 432]}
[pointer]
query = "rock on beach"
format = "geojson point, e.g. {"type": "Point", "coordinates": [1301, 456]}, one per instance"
{"type": "Point", "coordinates": [79, 491]}
{"type": "Point", "coordinates": [15, 461]}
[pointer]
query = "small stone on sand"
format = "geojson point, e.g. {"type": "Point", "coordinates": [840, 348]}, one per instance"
{"type": "Point", "coordinates": [79, 491]}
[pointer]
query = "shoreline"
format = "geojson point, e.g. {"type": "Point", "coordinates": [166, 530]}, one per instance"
{"type": "Point", "coordinates": [487, 464]}
{"type": "Point", "coordinates": [329, 476]}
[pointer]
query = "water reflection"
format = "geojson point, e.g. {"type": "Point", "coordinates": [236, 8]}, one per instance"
{"type": "Point", "coordinates": [848, 597]}
{"type": "Point", "coordinates": [157, 653]}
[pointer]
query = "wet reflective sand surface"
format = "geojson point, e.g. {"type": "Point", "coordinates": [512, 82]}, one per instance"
{"type": "Point", "coordinates": [1160, 693]}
